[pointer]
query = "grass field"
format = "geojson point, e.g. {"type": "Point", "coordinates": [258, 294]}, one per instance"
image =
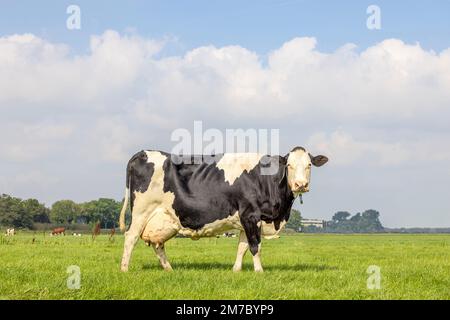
{"type": "Point", "coordinates": [296, 267]}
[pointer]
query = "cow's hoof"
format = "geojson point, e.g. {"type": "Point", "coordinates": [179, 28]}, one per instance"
{"type": "Point", "coordinates": [237, 268]}
{"type": "Point", "coordinates": [124, 268]}
{"type": "Point", "coordinates": [259, 270]}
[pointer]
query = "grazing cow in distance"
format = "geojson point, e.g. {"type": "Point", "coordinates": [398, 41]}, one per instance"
{"type": "Point", "coordinates": [112, 233]}
{"type": "Point", "coordinates": [58, 231]}
{"type": "Point", "coordinates": [204, 198]}
{"type": "Point", "coordinates": [229, 235]}
{"type": "Point", "coordinates": [96, 231]}
{"type": "Point", "coordinates": [10, 232]}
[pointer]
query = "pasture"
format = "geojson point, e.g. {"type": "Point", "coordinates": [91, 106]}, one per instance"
{"type": "Point", "coordinates": [299, 266]}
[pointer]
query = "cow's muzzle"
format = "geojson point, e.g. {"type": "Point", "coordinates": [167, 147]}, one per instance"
{"type": "Point", "coordinates": [300, 187]}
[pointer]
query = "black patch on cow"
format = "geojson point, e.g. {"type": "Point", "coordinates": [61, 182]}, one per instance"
{"type": "Point", "coordinates": [203, 196]}
{"type": "Point", "coordinates": [266, 197]}
{"type": "Point", "coordinates": [139, 174]}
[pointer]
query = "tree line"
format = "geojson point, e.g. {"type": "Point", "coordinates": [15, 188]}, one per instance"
{"type": "Point", "coordinates": [19, 213]}
{"type": "Point", "coordinates": [30, 214]}
{"type": "Point", "coordinates": [367, 221]}
{"type": "Point", "coordinates": [343, 222]}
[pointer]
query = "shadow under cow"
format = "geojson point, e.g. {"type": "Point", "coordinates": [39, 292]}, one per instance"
{"type": "Point", "coordinates": [245, 267]}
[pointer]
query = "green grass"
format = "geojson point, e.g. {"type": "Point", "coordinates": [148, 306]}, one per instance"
{"type": "Point", "coordinates": [296, 267]}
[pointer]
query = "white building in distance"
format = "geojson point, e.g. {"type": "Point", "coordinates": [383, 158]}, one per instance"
{"type": "Point", "coordinates": [313, 222]}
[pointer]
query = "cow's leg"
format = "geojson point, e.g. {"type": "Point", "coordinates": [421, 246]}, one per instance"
{"type": "Point", "coordinates": [161, 253]}
{"type": "Point", "coordinates": [257, 260]}
{"type": "Point", "coordinates": [131, 237]}
{"type": "Point", "coordinates": [252, 227]}
{"type": "Point", "coordinates": [242, 249]}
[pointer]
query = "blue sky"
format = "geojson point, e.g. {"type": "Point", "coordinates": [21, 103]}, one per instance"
{"type": "Point", "coordinates": [77, 104]}
{"type": "Point", "coordinates": [260, 26]}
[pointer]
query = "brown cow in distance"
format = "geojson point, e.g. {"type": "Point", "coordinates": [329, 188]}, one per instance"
{"type": "Point", "coordinates": [57, 231]}
{"type": "Point", "coordinates": [96, 231]}
{"type": "Point", "coordinates": [112, 233]}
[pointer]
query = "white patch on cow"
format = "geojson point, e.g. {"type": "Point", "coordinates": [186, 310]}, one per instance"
{"type": "Point", "coordinates": [10, 232]}
{"type": "Point", "coordinates": [154, 196]}
{"type": "Point", "coordinates": [214, 228]}
{"type": "Point", "coordinates": [269, 231]}
{"type": "Point", "coordinates": [162, 222]}
{"type": "Point", "coordinates": [299, 171]}
{"type": "Point", "coordinates": [242, 249]}
{"type": "Point", "coordinates": [257, 260]}
{"type": "Point", "coordinates": [152, 209]}
{"type": "Point", "coordinates": [161, 253]}
{"type": "Point", "coordinates": [234, 164]}
{"type": "Point", "coordinates": [160, 226]}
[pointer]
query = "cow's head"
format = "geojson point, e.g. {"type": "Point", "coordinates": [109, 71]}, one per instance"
{"type": "Point", "coordinates": [298, 169]}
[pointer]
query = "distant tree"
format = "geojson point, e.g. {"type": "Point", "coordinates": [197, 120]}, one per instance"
{"type": "Point", "coordinates": [371, 221]}
{"type": "Point", "coordinates": [8, 209]}
{"type": "Point", "coordinates": [340, 216]}
{"type": "Point", "coordinates": [64, 211]}
{"type": "Point", "coordinates": [356, 218]}
{"type": "Point", "coordinates": [368, 221]}
{"type": "Point", "coordinates": [104, 211]}
{"type": "Point", "coordinates": [354, 224]}
{"type": "Point", "coordinates": [13, 213]}
{"type": "Point", "coordinates": [37, 210]}
{"type": "Point", "coordinates": [371, 214]}
{"type": "Point", "coordinates": [295, 220]}
{"type": "Point", "coordinates": [88, 212]}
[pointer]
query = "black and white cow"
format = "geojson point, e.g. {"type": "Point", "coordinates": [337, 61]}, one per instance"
{"type": "Point", "coordinates": [203, 198]}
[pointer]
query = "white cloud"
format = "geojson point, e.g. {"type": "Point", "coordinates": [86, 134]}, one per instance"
{"type": "Point", "coordinates": [345, 150]}
{"type": "Point", "coordinates": [24, 142]}
{"type": "Point", "coordinates": [111, 136]}
{"type": "Point", "coordinates": [390, 79]}
{"type": "Point", "coordinates": [27, 183]}
{"type": "Point", "coordinates": [36, 72]}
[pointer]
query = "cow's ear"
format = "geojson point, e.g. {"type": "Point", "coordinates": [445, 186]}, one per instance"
{"type": "Point", "coordinates": [319, 160]}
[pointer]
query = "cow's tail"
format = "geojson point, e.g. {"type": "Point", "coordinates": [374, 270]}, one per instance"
{"type": "Point", "coordinates": [124, 210]}
{"type": "Point", "coordinates": [125, 201]}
